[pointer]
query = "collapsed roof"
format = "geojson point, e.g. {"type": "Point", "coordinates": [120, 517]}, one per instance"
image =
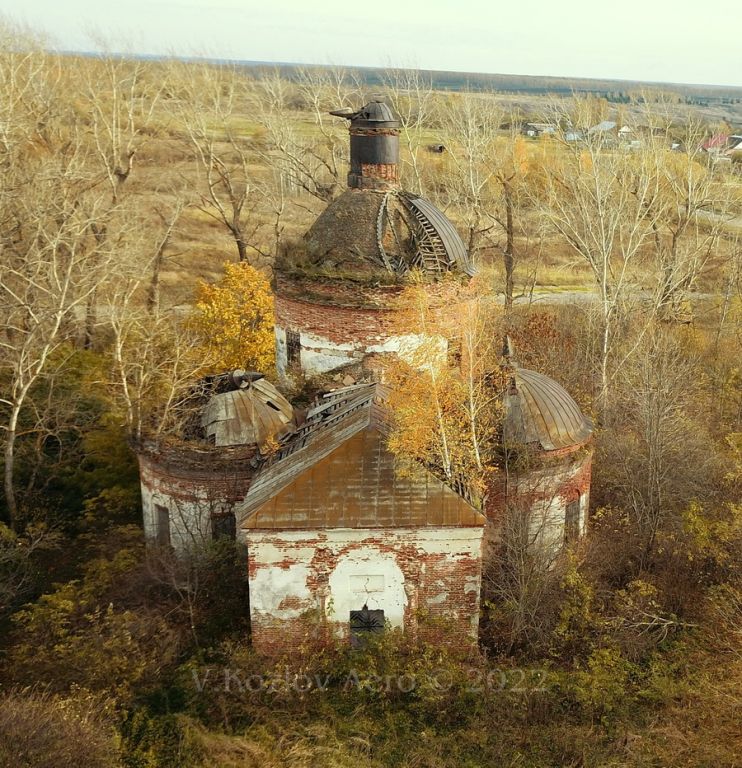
{"type": "Point", "coordinates": [255, 413]}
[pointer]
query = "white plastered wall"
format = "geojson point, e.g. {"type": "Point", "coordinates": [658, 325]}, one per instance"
{"type": "Point", "coordinates": [190, 518]}
{"type": "Point", "coordinates": [319, 355]}
{"type": "Point", "coordinates": [366, 570]}
{"type": "Point", "coordinates": [548, 514]}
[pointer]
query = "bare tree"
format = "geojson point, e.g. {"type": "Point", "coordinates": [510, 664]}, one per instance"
{"type": "Point", "coordinates": [410, 93]}
{"type": "Point", "coordinates": [471, 124]}
{"type": "Point", "coordinates": [654, 458]}
{"type": "Point", "coordinates": [168, 219]}
{"type": "Point", "coordinates": [521, 577]}
{"type": "Point", "coordinates": [48, 204]}
{"type": "Point", "coordinates": [305, 164]}
{"type": "Point", "coordinates": [689, 215]}
{"type": "Point", "coordinates": [213, 103]}
{"type": "Point", "coordinates": [155, 362]}
{"type": "Point", "coordinates": [600, 200]}
{"type": "Point", "coordinates": [120, 98]}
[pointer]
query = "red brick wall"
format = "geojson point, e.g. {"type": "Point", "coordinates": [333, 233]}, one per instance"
{"type": "Point", "coordinates": [197, 476]}
{"type": "Point", "coordinates": [387, 172]}
{"type": "Point", "coordinates": [444, 586]}
{"type": "Point", "coordinates": [340, 325]}
{"type": "Point", "coordinates": [561, 474]}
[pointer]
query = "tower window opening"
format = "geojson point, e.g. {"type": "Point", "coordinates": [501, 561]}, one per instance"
{"type": "Point", "coordinates": [572, 521]}
{"type": "Point", "coordinates": [162, 525]}
{"type": "Point", "coordinates": [224, 526]}
{"type": "Point", "coordinates": [293, 347]}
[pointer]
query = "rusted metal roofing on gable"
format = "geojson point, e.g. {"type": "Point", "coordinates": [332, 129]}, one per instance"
{"type": "Point", "coordinates": [328, 423]}
{"type": "Point", "coordinates": [538, 410]}
{"type": "Point", "coordinates": [358, 485]}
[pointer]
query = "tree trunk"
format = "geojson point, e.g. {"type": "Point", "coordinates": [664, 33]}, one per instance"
{"type": "Point", "coordinates": [604, 352]}
{"type": "Point", "coordinates": [9, 458]}
{"type": "Point", "coordinates": [153, 295]}
{"type": "Point", "coordinates": [509, 253]}
{"type": "Point", "coordinates": [90, 320]}
{"type": "Point", "coordinates": [241, 248]}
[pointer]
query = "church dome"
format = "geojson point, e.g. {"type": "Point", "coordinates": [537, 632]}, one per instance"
{"type": "Point", "coordinates": [384, 234]}
{"type": "Point", "coordinates": [538, 411]}
{"type": "Point", "coordinates": [375, 229]}
{"type": "Point", "coordinates": [253, 414]}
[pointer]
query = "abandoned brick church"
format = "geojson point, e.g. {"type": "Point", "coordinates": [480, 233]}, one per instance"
{"type": "Point", "coordinates": [334, 533]}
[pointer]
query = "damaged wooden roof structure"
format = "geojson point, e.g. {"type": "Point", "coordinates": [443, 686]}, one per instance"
{"type": "Point", "coordinates": [375, 225]}
{"type": "Point", "coordinates": [255, 412]}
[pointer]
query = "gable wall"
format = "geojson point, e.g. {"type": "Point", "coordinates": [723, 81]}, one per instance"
{"type": "Point", "coordinates": [303, 584]}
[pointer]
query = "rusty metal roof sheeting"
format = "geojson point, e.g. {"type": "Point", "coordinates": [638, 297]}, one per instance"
{"type": "Point", "coordinates": [328, 423]}
{"type": "Point", "coordinates": [358, 485]}
{"type": "Point", "coordinates": [332, 422]}
{"type": "Point", "coordinates": [538, 410]}
{"type": "Point", "coordinates": [252, 415]}
{"type": "Point", "coordinates": [430, 216]}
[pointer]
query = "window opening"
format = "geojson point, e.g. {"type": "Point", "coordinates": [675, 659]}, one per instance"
{"type": "Point", "coordinates": [572, 521]}
{"type": "Point", "coordinates": [364, 623]}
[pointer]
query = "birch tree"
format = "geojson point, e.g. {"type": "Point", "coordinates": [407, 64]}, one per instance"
{"type": "Point", "coordinates": [600, 200]}
{"type": "Point", "coordinates": [410, 94]}
{"type": "Point", "coordinates": [471, 123]}
{"type": "Point", "coordinates": [48, 271]}
{"type": "Point", "coordinates": [446, 386]}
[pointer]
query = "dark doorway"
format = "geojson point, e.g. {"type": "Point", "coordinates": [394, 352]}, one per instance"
{"type": "Point", "coordinates": [162, 525]}
{"type": "Point", "coordinates": [224, 526]}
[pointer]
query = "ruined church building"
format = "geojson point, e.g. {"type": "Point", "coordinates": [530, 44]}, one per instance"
{"type": "Point", "coordinates": [334, 534]}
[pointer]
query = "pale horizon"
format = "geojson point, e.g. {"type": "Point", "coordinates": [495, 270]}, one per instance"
{"type": "Point", "coordinates": [647, 42]}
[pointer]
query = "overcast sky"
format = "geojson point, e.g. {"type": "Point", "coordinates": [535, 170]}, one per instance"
{"type": "Point", "coordinates": [658, 40]}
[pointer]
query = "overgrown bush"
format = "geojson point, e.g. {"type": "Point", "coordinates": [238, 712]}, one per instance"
{"type": "Point", "coordinates": [39, 730]}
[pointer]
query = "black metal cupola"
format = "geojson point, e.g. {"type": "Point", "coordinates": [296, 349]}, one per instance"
{"type": "Point", "coordinates": [374, 146]}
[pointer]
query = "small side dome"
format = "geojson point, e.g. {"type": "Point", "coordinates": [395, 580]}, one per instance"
{"type": "Point", "coordinates": [251, 415]}
{"type": "Point", "coordinates": [538, 411]}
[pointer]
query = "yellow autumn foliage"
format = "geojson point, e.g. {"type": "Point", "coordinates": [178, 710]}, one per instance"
{"type": "Point", "coordinates": [234, 321]}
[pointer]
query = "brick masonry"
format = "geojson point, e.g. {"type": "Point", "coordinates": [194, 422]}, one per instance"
{"type": "Point", "coordinates": [542, 489]}
{"type": "Point", "coordinates": [340, 324]}
{"type": "Point", "coordinates": [194, 483]}
{"type": "Point", "coordinates": [303, 584]}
